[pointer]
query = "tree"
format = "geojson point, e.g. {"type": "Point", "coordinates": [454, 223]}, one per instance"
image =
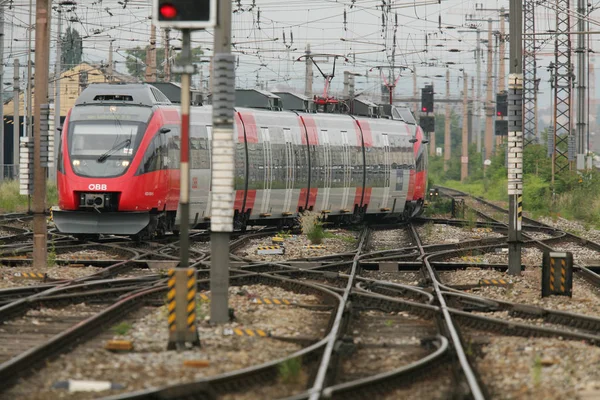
{"type": "Point", "coordinates": [136, 62]}
{"type": "Point", "coordinates": [72, 49]}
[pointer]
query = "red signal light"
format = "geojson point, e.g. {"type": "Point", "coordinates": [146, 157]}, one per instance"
{"type": "Point", "coordinates": [424, 109]}
{"type": "Point", "coordinates": [168, 11]}
{"type": "Point", "coordinates": [499, 114]}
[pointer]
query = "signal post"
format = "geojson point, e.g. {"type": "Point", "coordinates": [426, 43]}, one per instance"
{"type": "Point", "coordinates": [184, 15]}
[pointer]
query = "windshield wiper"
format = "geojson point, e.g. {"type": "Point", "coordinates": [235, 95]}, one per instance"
{"type": "Point", "coordinates": [117, 147]}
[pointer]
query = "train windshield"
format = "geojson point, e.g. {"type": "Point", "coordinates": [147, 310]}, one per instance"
{"type": "Point", "coordinates": [103, 145]}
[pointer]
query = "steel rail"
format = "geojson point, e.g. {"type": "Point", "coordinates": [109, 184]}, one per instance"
{"type": "Point", "coordinates": [319, 382]}
{"type": "Point", "coordinates": [472, 381]}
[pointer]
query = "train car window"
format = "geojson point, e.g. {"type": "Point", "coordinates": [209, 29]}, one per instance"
{"type": "Point", "coordinates": [154, 156]}
{"type": "Point", "coordinates": [316, 180]}
{"type": "Point", "coordinates": [173, 143]}
{"type": "Point", "coordinates": [60, 166]}
{"type": "Point", "coordinates": [240, 166]}
{"type": "Point", "coordinates": [199, 147]}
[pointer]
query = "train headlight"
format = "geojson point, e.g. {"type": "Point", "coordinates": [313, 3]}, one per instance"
{"type": "Point", "coordinates": [125, 163]}
{"type": "Point", "coordinates": [76, 163]}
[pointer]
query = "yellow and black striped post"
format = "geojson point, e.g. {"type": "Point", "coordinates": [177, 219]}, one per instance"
{"type": "Point", "coordinates": [557, 274]}
{"type": "Point", "coordinates": [181, 298]}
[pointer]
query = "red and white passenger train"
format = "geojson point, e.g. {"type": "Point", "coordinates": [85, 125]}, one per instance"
{"type": "Point", "coordinates": [118, 166]}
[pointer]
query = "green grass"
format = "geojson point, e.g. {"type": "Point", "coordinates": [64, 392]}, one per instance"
{"type": "Point", "coordinates": [312, 227]}
{"type": "Point", "coordinates": [51, 255]}
{"type": "Point", "coordinates": [122, 328]}
{"type": "Point", "coordinates": [12, 201]}
{"type": "Point", "coordinates": [289, 370]}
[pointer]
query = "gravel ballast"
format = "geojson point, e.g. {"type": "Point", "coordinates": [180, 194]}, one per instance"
{"type": "Point", "coordinates": [149, 365]}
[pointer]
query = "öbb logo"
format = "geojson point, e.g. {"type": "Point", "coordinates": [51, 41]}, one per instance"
{"type": "Point", "coordinates": [97, 186]}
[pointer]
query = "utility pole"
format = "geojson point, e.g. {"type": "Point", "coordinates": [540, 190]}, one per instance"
{"type": "Point", "coordinates": [223, 163]}
{"type": "Point", "coordinates": [308, 76]}
{"type": "Point", "coordinates": [415, 90]}
{"type": "Point", "coordinates": [109, 68]}
{"type": "Point", "coordinates": [476, 100]}
{"type": "Point", "coordinates": [447, 143]}
{"type": "Point", "coordinates": [502, 65]}
{"type": "Point", "coordinates": [489, 107]}
{"type": "Point", "coordinates": [562, 155]}
{"type": "Point", "coordinates": [502, 48]}
{"type": "Point", "coordinates": [530, 128]}
{"type": "Point", "coordinates": [42, 61]}
{"type": "Point", "coordinates": [515, 138]}
{"type": "Point", "coordinates": [2, 92]}
{"type": "Point", "coordinates": [582, 113]}
{"type": "Point", "coordinates": [57, 82]}
{"type": "Point", "coordinates": [472, 119]}
{"type": "Point", "coordinates": [29, 71]}
{"type": "Point", "coordinates": [151, 56]}
{"type": "Point", "coordinates": [167, 67]}
{"type": "Point", "coordinates": [16, 118]}
{"type": "Point", "coordinates": [464, 159]}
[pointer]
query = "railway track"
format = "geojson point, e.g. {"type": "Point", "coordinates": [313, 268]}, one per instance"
{"type": "Point", "coordinates": [376, 295]}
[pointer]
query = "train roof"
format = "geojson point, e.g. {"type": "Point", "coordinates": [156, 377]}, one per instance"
{"type": "Point", "coordinates": [138, 94]}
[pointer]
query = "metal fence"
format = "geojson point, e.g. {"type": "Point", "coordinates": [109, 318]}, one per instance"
{"type": "Point", "coordinates": [9, 171]}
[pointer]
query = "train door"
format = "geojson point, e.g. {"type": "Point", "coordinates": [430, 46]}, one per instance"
{"type": "Point", "coordinates": [325, 149]}
{"type": "Point", "coordinates": [386, 172]}
{"type": "Point", "coordinates": [290, 170]}
{"type": "Point", "coordinates": [346, 171]}
{"type": "Point", "coordinates": [267, 172]}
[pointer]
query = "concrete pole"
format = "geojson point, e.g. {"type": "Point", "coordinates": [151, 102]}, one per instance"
{"type": "Point", "coordinates": [223, 164]}
{"type": "Point", "coordinates": [2, 93]}
{"type": "Point", "coordinates": [42, 63]}
{"type": "Point", "coordinates": [308, 75]}
{"type": "Point", "coordinates": [447, 140]}
{"type": "Point", "coordinates": [432, 144]}
{"type": "Point", "coordinates": [581, 87]}
{"type": "Point", "coordinates": [489, 105]}
{"type": "Point", "coordinates": [109, 68]}
{"type": "Point", "coordinates": [502, 53]}
{"type": "Point", "coordinates": [346, 84]}
{"type": "Point", "coordinates": [477, 98]}
{"type": "Point", "coordinates": [151, 56]}
{"type": "Point", "coordinates": [17, 118]}
{"type": "Point", "coordinates": [473, 125]}
{"type": "Point", "coordinates": [515, 138]}
{"type": "Point", "coordinates": [28, 124]}
{"type": "Point", "coordinates": [57, 83]}
{"type": "Point", "coordinates": [464, 161]}
{"type": "Point", "coordinates": [415, 91]}
{"type": "Point", "coordinates": [502, 65]}
{"type": "Point", "coordinates": [167, 68]}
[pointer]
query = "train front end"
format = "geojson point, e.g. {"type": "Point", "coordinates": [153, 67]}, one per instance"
{"type": "Point", "coordinates": [102, 182]}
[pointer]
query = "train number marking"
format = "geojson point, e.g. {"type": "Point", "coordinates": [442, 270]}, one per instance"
{"type": "Point", "coordinates": [97, 186]}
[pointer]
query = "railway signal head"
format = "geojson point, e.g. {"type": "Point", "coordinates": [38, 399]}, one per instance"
{"type": "Point", "coordinates": [185, 14]}
{"type": "Point", "coordinates": [427, 99]}
{"type": "Point", "coordinates": [501, 104]}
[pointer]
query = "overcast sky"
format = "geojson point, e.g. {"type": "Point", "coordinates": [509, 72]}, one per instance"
{"type": "Point", "coordinates": [428, 36]}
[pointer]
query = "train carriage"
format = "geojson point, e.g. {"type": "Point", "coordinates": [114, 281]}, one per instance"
{"type": "Point", "coordinates": [118, 170]}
